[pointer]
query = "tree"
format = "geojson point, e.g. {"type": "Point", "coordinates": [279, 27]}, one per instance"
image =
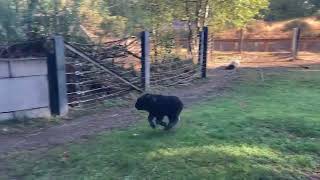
{"type": "Point", "coordinates": [218, 14]}
{"type": "Point", "coordinates": [7, 19]}
{"type": "Point", "coordinates": [287, 9]}
{"type": "Point", "coordinates": [118, 18]}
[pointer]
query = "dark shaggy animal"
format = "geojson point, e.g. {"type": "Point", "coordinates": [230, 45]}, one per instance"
{"type": "Point", "coordinates": [160, 106]}
{"type": "Point", "coordinates": [233, 65]}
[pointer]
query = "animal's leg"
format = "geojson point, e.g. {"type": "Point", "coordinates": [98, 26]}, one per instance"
{"type": "Point", "coordinates": [173, 120]}
{"type": "Point", "coordinates": [160, 122]}
{"type": "Point", "coordinates": [150, 119]}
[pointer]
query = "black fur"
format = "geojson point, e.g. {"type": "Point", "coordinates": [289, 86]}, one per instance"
{"type": "Point", "coordinates": [160, 106]}
{"type": "Point", "coordinates": [230, 67]}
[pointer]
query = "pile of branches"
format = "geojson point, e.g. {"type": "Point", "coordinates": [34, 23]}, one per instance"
{"type": "Point", "coordinates": [113, 49]}
{"type": "Point", "coordinates": [32, 48]}
{"type": "Point", "coordinates": [88, 85]}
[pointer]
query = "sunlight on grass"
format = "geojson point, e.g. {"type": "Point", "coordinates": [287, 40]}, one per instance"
{"type": "Point", "coordinates": [239, 151]}
{"type": "Point", "coordinates": [262, 130]}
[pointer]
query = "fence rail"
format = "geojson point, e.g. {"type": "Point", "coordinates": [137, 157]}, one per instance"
{"type": "Point", "coordinates": [260, 43]}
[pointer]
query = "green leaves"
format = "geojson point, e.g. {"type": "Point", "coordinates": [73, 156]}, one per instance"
{"type": "Point", "coordinates": [120, 17]}
{"type": "Point", "coordinates": [235, 13]}
{"type": "Point", "coordinates": [287, 9]}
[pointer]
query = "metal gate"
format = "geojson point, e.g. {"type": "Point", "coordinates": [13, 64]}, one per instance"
{"type": "Point", "coordinates": [96, 73]}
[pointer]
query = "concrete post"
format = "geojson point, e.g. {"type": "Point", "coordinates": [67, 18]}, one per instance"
{"type": "Point", "coordinates": [57, 78]}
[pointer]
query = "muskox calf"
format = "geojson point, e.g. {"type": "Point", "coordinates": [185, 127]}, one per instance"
{"type": "Point", "coordinates": [233, 65]}
{"type": "Point", "coordinates": [160, 106]}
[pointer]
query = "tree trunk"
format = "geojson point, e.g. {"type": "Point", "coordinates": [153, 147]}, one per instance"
{"type": "Point", "coordinates": [31, 11]}
{"type": "Point", "coordinates": [155, 44]}
{"type": "Point", "coordinates": [56, 17]}
{"type": "Point", "coordinates": [190, 33]}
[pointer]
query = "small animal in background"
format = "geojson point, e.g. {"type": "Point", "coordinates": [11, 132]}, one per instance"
{"type": "Point", "coordinates": [160, 106]}
{"type": "Point", "coordinates": [233, 65]}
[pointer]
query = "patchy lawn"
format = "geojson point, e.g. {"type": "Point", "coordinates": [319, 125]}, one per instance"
{"type": "Point", "coordinates": [266, 128]}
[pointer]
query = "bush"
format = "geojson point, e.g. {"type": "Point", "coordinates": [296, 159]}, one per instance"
{"type": "Point", "coordinates": [304, 26]}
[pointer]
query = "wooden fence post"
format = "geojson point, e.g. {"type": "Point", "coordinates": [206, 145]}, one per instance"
{"type": "Point", "coordinates": [57, 78]}
{"type": "Point", "coordinates": [145, 60]}
{"type": "Point", "coordinates": [241, 39]}
{"type": "Point", "coordinates": [295, 43]}
{"type": "Point", "coordinates": [211, 49]}
{"type": "Point", "coordinates": [200, 53]}
{"type": "Point", "coordinates": [205, 52]}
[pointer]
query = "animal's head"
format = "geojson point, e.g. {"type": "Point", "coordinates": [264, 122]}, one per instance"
{"type": "Point", "coordinates": [145, 102]}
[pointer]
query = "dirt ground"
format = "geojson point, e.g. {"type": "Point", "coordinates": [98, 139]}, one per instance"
{"type": "Point", "coordinates": [217, 84]}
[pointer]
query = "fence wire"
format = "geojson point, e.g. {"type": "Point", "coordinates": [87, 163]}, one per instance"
{"type": "Point", "coordinates": [89, 85]}
{"type": "Point", "coordinates": [171, 61]}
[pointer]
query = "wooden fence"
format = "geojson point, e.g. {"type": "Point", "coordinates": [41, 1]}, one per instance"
{"type": "Point", "coordinates": [285, 42]}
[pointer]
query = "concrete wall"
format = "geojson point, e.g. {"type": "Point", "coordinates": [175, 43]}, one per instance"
{"type": "Point", "coordinates": [24, 89]}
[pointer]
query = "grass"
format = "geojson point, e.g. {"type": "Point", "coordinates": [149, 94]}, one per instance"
{"type": "Point", "coordinates": [262, 130]}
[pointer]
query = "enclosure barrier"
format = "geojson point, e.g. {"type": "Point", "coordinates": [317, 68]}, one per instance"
{"type": "Point", "coordinates": [276, 42]}
{"type": "Point", "coordinates": [33, 87]}
{"type": "Point", "coordinates": [83, 76]}
{"type": "Point", "coordinates": [98, 72]}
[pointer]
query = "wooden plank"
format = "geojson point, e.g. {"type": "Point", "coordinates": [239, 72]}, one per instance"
{"type": "Point", "coordinates": [295, 42]}
{"type": "Point", "coordinates": [86, 57]}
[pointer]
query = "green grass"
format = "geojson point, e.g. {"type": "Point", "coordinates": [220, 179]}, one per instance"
{"type": "Point", "coordinates": [262, 130]}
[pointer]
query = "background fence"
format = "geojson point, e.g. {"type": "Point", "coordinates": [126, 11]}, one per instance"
{"type": "Point", "coordinates": [278, 42]}
{"type": "Point", "coordinates": [264, 47]}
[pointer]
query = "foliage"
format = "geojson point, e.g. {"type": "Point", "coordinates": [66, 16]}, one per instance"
{"type": "Point", "coordinates": [7, 19]}
{"type": "Point", "coordinates": [264, 129]}
{"type": "Point", "coordinates": [116, 18]}
{"type": "Point", "coordinates": [243, 11]}
{"type": "Point", "coordinates": [304, 26]}
{"type": "Point", "coordinates": [287, 9]}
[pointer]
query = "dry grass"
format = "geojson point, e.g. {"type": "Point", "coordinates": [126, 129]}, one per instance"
{"type": "Point", "coordinates": [278, 29]}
